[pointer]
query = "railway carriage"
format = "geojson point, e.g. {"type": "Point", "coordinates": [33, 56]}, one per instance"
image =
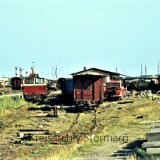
{"type": "Point", "coordinates": [66, 86]}
{"type": "Point", "coordinates": [35, 88]}
{"type": "Point", "coordinates": [16, 83]}
{"type": "Point", "coordinates": [88, 88]}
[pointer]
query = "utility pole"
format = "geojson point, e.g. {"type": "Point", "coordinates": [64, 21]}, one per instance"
{"type": "Point", "coordinates": [16, 71]}
{"type": "Point", "coordinates": [158, 66]}
{"type": "Point", "coordinates": [26, 73]}
{"type": "Point", "coordinates": [52, 72]}
{"type": "Point", "coordinates": [55, 75]}
{"type": "Point", "coordinates": [158, 70]}
{"type": "Point", "coordinates": [33, 64]}
{"type": "Point", "coordinates": [116, 73]}
{"type": "Point", "coordinates": [141, 70]}
{"type": "Point", "coordinates": [20, 70]}
{"type": "Point", "coordinates": [145, 71]}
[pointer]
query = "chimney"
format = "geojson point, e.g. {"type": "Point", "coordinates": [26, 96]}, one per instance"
{"type": "Point", "coordinates": [84, 68]}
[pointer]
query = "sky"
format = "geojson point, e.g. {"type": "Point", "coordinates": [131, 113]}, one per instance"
{"type": "Point", "coordinates": [71, 35]}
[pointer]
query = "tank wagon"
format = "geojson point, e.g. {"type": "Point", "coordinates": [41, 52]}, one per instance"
{"type": "Point", "coordinates": [88, 88]}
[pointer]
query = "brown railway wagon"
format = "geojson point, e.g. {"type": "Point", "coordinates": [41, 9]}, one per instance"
{"type": "Point", "coordinates": [88, 90]}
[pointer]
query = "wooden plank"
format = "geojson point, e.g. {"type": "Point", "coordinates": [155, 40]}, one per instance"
{"type": "Point", "coordinates": [153, 150]}
{"type": "Point", "coordinates": [32, 131]}
{"type": "Point", "coordinates": [151, 144]}
{"type": "Point", "coordinates": [125, 101]}
{"type": "Point", "coordinates": [155, 125]}
{"type": "Point", "coordinates": [153, 135]}
{"type": "Point", "coordinates": [154, 130]}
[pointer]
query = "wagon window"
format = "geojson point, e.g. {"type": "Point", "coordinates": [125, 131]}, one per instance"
{"type": "Point", "coordinates": [113, 84]}
{"type": "Point", "coordinates": [39, 81]}
{"type": "Point", "coordinates": [29, 81]}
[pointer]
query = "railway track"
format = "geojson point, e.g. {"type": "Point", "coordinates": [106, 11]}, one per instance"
{"type": "Point", "coordinates": [75, 133]}
{"type": "Point", "coordinates": [28, 130]}
{"type": "Point", "coordinates": [35, 128]}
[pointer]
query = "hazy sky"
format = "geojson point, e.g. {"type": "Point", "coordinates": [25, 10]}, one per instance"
{"type": "Point", "coordinates": [74, 34]}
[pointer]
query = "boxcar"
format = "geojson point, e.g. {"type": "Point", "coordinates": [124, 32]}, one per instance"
{"type": "Point", "coordinates": [66, 86]}
{"type": "Point", "coordinates": [35, 88]}
{"type": "Point", "coordinates": [88, 90]}
{"type": "Point", "coordinates": [16, 83]}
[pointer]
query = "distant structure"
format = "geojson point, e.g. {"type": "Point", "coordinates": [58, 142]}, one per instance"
{"type": "Point", "coordinates": [95, 71]}
{"type": "Point", "coordinates": [143, 77]}
{"type": "Point", "coordinates": [33, 74]}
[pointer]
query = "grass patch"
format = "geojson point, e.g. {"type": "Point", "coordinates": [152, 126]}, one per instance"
{"type": "Point", "coordinates": [3, 124]}
{"type": "Point", "coordinates": [7, 104]}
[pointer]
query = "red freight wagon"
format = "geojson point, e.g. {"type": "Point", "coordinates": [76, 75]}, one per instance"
{"type": "Point", "coordinates": [88, 90]}
{"type": "Point", "coordinates": [34, 88]}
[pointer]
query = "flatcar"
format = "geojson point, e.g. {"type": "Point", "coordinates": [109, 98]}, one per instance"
{"type": "Point", "coordinates": [35, 88]}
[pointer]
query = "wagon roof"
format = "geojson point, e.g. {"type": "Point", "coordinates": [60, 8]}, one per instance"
{"type": "Point", "coordinates": [95, 72]}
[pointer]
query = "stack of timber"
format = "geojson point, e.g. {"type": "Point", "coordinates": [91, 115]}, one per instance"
{"type": "Point", "coordinates": [152, 145]}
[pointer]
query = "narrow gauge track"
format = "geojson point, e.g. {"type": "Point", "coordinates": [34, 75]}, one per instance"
{"type": "Point", "coordinates": [72, 131]}
{"type": "Point", "coordinates": [12, 142]}
{"type": "Point", "coordinates": [9, 149]}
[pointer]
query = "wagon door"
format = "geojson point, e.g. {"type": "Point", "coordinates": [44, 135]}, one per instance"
{"type": "Point", "coordinates": [87, 90]}
{"type": "Point", "coordinates": [78, 90]}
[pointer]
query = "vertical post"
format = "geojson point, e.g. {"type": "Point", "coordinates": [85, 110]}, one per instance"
{"type": "Point", "coordinates": [20, 70]}
{"type": "Point", "coordinates": [4, 84]}
{"type": "Point", "coordinates": [55, 111]}
{"type": "Point", "coordinates": [16, 71]}
{"type": "Point", "coordinates": [141, 71]}
{"type": "Point", "coordinates": [33, 64]}
{"type": "Point", "coordinates": [116, 73]}
{"type": "Point", "coordinates": [145, 71]}
{"type": "Point", "coordinates": [158, 70]}
{"type": "Point", "coordinates": [158, 66]}
{"type": "Point", "coordinates": [55, 73]}
{"type": "Point", "coordinates": [52, 72]}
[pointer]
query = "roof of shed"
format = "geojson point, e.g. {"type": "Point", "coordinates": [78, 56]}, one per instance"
{"type": "Point", "coordinates": [95, 72]}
